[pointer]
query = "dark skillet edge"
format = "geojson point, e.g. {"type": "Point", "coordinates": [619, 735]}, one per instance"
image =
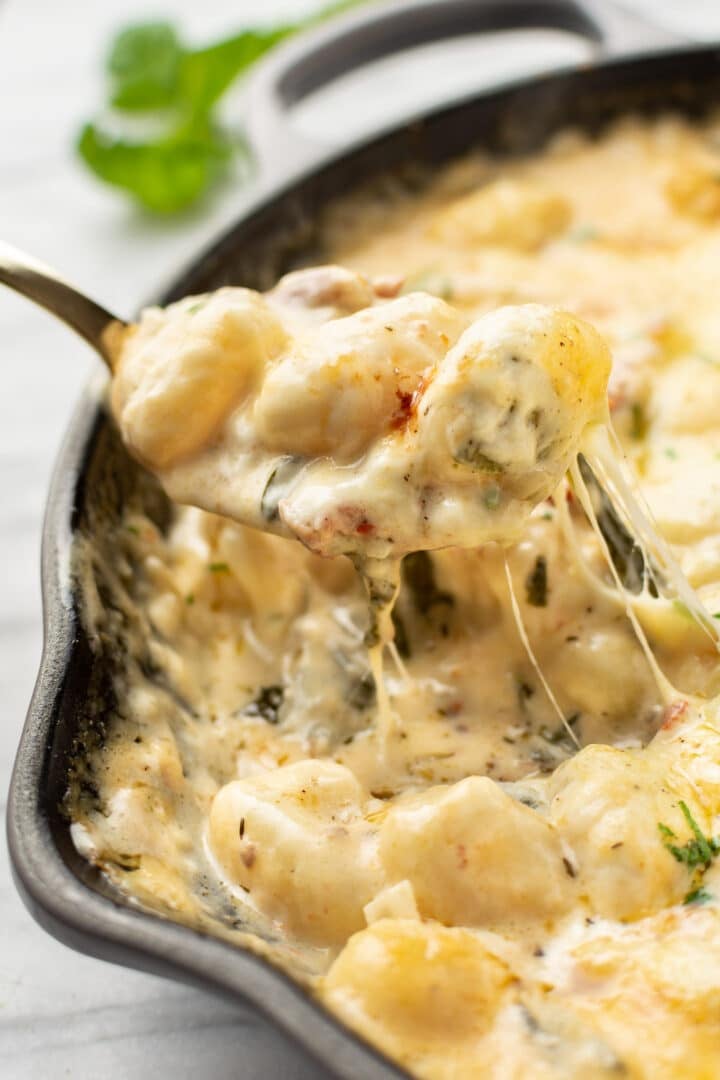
{"type": "Point", "coordinates": [75, 913]}
{"type": "Point", "coordinates": [56, 895]}
{"type": "Point", "coordinates": [389, 149]}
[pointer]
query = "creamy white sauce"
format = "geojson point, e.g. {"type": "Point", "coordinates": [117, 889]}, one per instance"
{"type": "Point", "coordinates": [458, 882]}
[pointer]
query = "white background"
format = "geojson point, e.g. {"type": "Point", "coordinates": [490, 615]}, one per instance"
{"type": "Point", "coordinates": [61, 1014]}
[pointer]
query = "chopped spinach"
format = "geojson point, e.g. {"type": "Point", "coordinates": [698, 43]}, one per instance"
{"type": "Point", "coordinates": [638, 421]}
{"type": "Point", "coordinates": [524, 691]}
{"type": "Point", "coordinates": [560, 734]}
{"type": "Point", "coordinates": [267, 704]}
{"type": "Point", "coordinates": [492, 497]}
{"type": "Point", "coordinates": [536, 583]}
{"type": "Point", "coordinates": [471, 454]}
{"type": "Point", "coordinates": [362, 692]}
{"type": "Point", "coordinates": [625, 552]}
{"type": "Point", "coordinates": [380, 591]}
{"type": "Point", "coordinates": [418, 576]}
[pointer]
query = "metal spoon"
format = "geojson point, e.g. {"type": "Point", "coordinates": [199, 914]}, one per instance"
{"type": "Point", "coordinates": [38, 282]}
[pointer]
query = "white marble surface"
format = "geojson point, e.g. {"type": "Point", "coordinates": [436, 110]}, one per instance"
{"type": "Point", "coordinates": [61, 1014]}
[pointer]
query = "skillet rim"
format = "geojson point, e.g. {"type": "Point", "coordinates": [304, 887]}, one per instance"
{"type": "Point", "coordinates": [63, 903]}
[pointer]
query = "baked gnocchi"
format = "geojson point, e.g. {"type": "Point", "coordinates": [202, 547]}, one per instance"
{"type": "Point", "coordinates": [496, 852]}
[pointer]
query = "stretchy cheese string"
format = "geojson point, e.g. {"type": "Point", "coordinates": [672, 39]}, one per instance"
{"type": "Point", "coordinates": [385, 571]}
{"type": "Point", "coordinates": [398, 661]}
{"type": "Point", "coordinates": [667, 691]}
{"type": "Point", "coordinates": [604, 454]}
{"type": "Point", "coordinates": [522, 632]}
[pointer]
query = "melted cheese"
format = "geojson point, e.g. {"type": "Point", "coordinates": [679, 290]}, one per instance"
{"type": "Point", "coordinates": [390, 430]}
{"type": "Point", "coordinates": [453, 877]}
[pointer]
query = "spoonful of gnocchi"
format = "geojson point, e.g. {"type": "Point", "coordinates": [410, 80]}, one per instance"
{"type": "Point", "coordinates": [337, 411]}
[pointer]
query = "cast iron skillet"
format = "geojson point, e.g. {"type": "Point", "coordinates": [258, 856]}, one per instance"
{"type": "Point", "coordinates": [73, 698]}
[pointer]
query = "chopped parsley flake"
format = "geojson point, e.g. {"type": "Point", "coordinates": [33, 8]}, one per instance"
{"type": "Point", "coordinates": [218, 568]}
{"type": "Point", "coordinates": [671, 453]}
{"type": "Point", "coordinates": [698, 896]}
{"type": "Point", "coordinates": [471, 454]}
{"type": "Point", "coordinates": [696, 853]}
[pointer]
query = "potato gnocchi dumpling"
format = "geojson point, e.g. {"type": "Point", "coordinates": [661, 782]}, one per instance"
{"type": "Point", "coordinates": [182, 370]}
{"type": "Point", "coordinates": [476, 857]}
{"type": "Point", "coordinates": [475, 806]}
{"type": "Point", "coordinates": [426, 992]}
{"type": "Point", "coordinates": [298, 841]}
{"type": "Point", "coordinates": [509, 213]}
{"type": "Point", "coordinates": [391, 429]}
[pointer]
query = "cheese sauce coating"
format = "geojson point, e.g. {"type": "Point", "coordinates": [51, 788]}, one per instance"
{"type": "Point", "coordinates": [474, 886]}
{"type": "Point", "coordinates": [395, 429]}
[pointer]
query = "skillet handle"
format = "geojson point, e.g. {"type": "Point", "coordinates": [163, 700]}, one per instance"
{"type": "Point", "coordinates": [311, 60]}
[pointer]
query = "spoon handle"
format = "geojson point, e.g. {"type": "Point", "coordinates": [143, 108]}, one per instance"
{"type": "Point", "coordinates": [38, 282]}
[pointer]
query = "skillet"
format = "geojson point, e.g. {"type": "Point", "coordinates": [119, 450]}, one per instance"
{"type": "Point", "coordinates": [73, 701]}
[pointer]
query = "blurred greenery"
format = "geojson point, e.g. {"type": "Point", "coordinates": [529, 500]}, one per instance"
{"type": "Point", "coordinates": [157, 81]}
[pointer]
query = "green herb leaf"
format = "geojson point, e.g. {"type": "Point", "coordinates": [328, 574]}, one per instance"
{"type": "Point", "coordinates": [267, 704]}
{"type": "Point", "coordinates": [639, 422]}
{"type": "Point", "coordinates": [362, 692]}
{"type": "Point", "coordinates": [418, 577]}
{"type": "Point", "coordinates": [700, 895]}
{"type": "Point", "coordinates": [154, 76]}
{"type": "Point", "coordinates": [471, 454]}
{"type": "Point", "coordinates": [206, 74]}
{"type": "Point", "coordinates": [536, 583]}
{"type": "Point", "coordinates": [143, 66]}
{"type": "Point", "coordinates": [492, 497]}
{"type": "Point", "coordinates": [164, 176]}
{"type": "Point", "coordinates": [626, 554]}
{"type": "Point", "coordinates": [218, 568]}
{"type": "Point", "coordinates": [698, 852]}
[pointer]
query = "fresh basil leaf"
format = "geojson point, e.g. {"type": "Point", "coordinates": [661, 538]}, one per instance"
{"type": "Point", "coordinates": [151, 72]}
{"type": "Point", "coordinates": [165, 176]}
{"type": "Point", "coordinates": [144, 66]}
{"type": "Point", "coordinates": [206, 74]}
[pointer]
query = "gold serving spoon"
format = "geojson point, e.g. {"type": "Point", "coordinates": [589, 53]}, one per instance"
{"type": "Point", "coordinates": [51, 291]}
